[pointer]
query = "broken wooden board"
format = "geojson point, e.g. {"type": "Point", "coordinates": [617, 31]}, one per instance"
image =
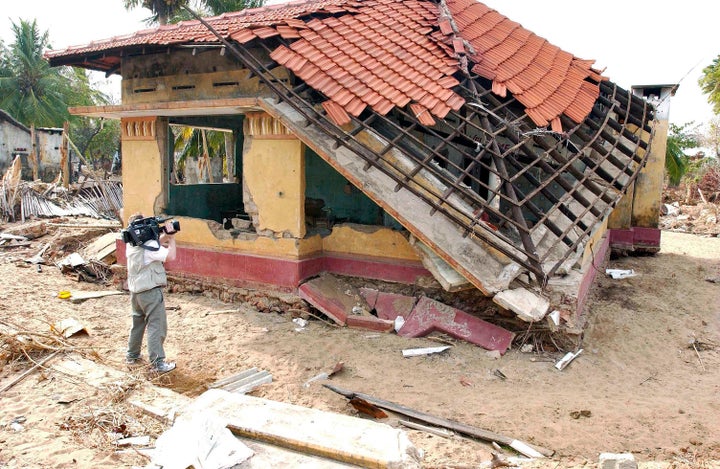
{"type": "Point", "coordinates": [243, 382]}
{"type": "Point", "coordinates": [311, 431]}
{"type": "Point", "coordinates": [416, 352]}
{"type": "Point", "coordinates": [517, 445]}
{"type": "Point", "coordinates": [80, 296]}
{"type": "Point", "coordinates": [102, 249]}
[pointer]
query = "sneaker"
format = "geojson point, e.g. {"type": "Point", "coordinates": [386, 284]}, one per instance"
{"type": "Point", "coordinates": [163, 367]}
{"type": "Point", "coordinates": [132, 361]}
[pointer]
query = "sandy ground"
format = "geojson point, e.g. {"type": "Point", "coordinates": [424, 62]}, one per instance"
{"type": "Point", "coordinates": [647, 381]}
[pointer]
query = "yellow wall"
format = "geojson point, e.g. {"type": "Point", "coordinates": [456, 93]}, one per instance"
{"type": "Point", "coordinates": [649, 185]}
{"type": "Point", "coordinates": [142, 168]}
{"type": "Point", "coordinates": [274, 174]}
{"type": "Point", "coordinates": [197, 233]}
{"type": "Point", "coordinates": [374, 241]}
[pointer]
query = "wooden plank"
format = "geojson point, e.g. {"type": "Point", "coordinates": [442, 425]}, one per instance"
{"type": "Point", "coordinates": [78, 296]}
{"type": "Point", "coordinates": [27, 372]}
{"type": "Point", "coordinates": [424, 428]}
{"type": "Point", "coordinates": [522, 447]}
{"type": "Point", "coordinates": [231, 379]}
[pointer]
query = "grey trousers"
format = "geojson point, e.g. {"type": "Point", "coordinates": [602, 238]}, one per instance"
{"type": "Point", "coordinates": [148, 313]}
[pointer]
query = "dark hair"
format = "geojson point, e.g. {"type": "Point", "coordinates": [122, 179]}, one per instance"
{"type": "Point", "coordinates": [135, 217]}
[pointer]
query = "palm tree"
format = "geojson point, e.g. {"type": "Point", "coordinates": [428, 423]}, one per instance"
{"type": "Point", "coordinates": [680, 138]}
{"type": "Point", "coordinates": [32, 91]}
{"type": "Point", "coordinates": [218, 7]}
{"type": "Point", "coordinates": [173, 11]}
{"type": "Point", "coordinates": [710, 83]}
{"type": "Point", "coordinates": [162, 10]}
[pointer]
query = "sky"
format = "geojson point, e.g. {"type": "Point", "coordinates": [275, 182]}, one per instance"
{"type": "Point", "coordinates": [637, 42]}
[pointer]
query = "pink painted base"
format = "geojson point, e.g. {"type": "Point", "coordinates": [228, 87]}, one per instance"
{"type": "Point", "coordinates": [245, 269]}
{"type": "Point", "coordinates": [591, 274]}
{"type": "Point", "coordinates": [636, 239]}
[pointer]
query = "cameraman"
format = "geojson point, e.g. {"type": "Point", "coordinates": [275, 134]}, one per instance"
{"type": "Point", "coordinates": [146, 277]}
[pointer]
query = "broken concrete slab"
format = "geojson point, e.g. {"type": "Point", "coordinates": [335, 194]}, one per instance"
{"type": "Point", "coordinates": [312, 431]}
{"type": "Point", "coordinates": [450, 279]}
{"type": "Point", "coordinates": [528, 306]}
{"type": "Point", "coordinates": [68, 327]}
{"type": "Point", "coordinates": [388, 305]}
{"type": "Point", "coordinates": [335, 298]}
{"type": "Point", "coordinates": [199, 441]}
{"type": "Point", "coordinates": [429, 315]}
{"type": "Point", "coordinates": [343, 303]}
{"type": "Point", "coordinates": [370, 323]}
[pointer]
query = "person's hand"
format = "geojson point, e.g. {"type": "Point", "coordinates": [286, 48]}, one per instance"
{"type": "Point", "coordinates": [169, 228]}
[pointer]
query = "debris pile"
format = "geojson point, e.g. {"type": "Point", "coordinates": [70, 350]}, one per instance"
{"type": "Point", "coordinates": [21, 200]}
{"type": "Point", "coordinates": [701, 219]}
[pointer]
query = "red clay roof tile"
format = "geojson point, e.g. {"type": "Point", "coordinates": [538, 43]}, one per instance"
{"type": "Point", "coordinates": [423, 114]}
{"type": "Point", "coordinates": [385, 53]}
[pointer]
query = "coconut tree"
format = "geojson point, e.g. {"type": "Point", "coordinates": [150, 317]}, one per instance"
{"type": "Point", "coordinates": [710, 83]}
{"type": "Point", "coordinates": [32, 91]}
{"type": "Point", "coordinates": [173, 11]}
{"type": "Point", "coordinates": [162, 10]}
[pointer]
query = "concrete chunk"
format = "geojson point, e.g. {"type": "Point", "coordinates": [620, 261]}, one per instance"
{"type": "Point", "coordinates": [617, 461]}
{"type": "Point", "coordinates": [335, 298]}
{"type": "Point", "coordinates": [388, 305]}
{"type": "Point", "coordinates": [527, 305]}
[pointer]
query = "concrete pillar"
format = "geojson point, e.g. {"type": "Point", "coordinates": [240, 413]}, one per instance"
{"type": "Point", "coordinates": [273, 177]}
{"type": "Point", "coordinates": [635, 220]}
{"type": "Point", "coordinates": [144, 142]}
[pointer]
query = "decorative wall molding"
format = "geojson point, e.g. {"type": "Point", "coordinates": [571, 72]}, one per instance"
{"type": "Point", "coordinates": [261, 124]}
{"type": "Point", "coordinates": [139, 128]}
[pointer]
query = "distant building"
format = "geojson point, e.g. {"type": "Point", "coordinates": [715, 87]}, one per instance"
{"type": "Point", "coordinates": [16, 140]}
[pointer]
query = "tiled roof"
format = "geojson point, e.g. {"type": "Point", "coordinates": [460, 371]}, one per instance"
{"type": "Point", "coordinates": [545, 79]}
{"type": "Point", "coordinates": [387, 53]}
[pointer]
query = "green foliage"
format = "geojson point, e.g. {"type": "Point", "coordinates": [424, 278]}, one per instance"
{"type": "Point", "coordinates": [172, 11]}
{"type": "Point", "coordinates": [709, 82]}
{"type": "Point", "coordinates": [36, 94]}
{"type": "Point", "coordinates": [162, 10]}
{"type": "Point", "coordinates": [680, 138]}
{"type": "Point", "coordinates": [32, 91]}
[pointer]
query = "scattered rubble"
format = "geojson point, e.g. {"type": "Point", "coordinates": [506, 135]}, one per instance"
{"type": "Point", "coordinates": [701, 218]}
{"type": "Point", "coordinates": [565, 361]}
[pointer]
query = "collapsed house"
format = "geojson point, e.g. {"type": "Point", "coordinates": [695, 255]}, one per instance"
{"type": "Point", "coordinates": [38, 148]}
{"type": "Point", "coordinates": [388, 139]}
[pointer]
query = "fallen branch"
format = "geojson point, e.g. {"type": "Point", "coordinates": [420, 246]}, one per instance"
{"type": "Point", "coordinates": [698, 354]}
{"type": "Point", "coordinates": [28, 371]}
{"type": "Point", "coordinates": [519, 446]}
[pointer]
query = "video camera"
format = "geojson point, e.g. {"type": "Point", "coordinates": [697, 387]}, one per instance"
{"type": "Point", "coordinates": [146, 229]}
